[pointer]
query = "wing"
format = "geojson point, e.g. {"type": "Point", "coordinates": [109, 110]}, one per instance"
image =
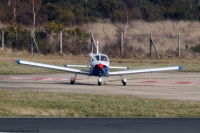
{"type": "Point", "coordinates": [52, 67]}
{"type": "Point", "coordinates": [145, 70]}
{"type": "Point", "coordinates": [118, 67]}
{"type": "Point", "coordinates": [83, 66]}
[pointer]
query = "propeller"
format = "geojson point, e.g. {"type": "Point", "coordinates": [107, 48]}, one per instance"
{"type": "Point", "coordinates": [100, 65]}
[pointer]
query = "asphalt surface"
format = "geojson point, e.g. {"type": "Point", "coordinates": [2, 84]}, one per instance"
{"type": "Point", "coordinates": [172, 85]}
{"type": "Point", "coordinates": [99, 125]}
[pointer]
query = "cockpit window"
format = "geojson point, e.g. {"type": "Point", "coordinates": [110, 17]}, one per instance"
{"type": "Point", "coordinates": [97, 57]}
{"type": "Point", "coordinates": [104, 58]}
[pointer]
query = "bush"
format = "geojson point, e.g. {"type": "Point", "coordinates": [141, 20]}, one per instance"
{"type": "Point", "coordinates": [195, 49]}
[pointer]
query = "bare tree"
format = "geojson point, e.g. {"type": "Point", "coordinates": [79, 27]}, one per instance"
{"type": "Point", "coordinates": [9, 2]}
{"type": "Point", "coordinates": [14, 4]}
{"type": "Point", "coordinates": [126, 25]}
{"type": "Point", "coordinates": [198, 2]}
{"type": "Point", "coordinates": [36, 7]}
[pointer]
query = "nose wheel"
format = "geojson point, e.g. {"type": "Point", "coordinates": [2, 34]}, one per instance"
{"type": "Point", "coordinates": [99, 81]}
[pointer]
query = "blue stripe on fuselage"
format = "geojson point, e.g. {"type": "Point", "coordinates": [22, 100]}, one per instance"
{"type": "Point", "coordinates": [96, 72]}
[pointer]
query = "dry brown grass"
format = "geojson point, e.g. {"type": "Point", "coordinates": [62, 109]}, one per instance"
{"type": "Point", "coordinates": [164, 33]}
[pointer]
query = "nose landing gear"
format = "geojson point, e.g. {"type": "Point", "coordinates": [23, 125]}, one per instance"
{"type": "Point", "coordinates": [99, 81]}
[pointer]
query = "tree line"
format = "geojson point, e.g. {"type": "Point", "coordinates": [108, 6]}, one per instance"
{"type": "Point", "coordinates": [55, 15]}
{"type": "Point", "coordinates": [77, 12]}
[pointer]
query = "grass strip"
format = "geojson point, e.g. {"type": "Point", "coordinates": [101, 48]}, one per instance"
{"type": "Point", "coordinates": [19, 103]}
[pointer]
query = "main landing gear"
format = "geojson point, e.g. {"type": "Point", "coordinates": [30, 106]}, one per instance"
{"type": "Point", "coordinates": [123, 81]}
{"type": "Point", "coordinates": [72, 80]}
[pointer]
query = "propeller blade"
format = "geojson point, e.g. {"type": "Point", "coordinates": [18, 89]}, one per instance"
{"type": "Point", "coordinates": [105, 73]}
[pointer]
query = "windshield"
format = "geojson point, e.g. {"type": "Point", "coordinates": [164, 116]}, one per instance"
{"type": "Point", "coordinates": [97, 57]}
{"type": "Point", "coordinates": [104, 58]}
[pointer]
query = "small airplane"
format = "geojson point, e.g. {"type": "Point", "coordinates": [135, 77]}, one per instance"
{"type": "Point", "coordinates": [99, 66]}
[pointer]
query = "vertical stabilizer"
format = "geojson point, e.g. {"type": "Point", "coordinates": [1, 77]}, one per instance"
{"type": "Point", "coordinates": [96, 44]}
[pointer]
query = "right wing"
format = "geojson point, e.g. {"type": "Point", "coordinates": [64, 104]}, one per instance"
{"type": "Point", "coordinates": [144, 70]}
{"type": "Point", "coordinates": [52, 67]}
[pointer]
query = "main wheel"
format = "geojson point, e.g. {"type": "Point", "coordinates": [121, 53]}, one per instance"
{"type": "Point", "coordinates": [124, 82]}
{"type": "Point", "coordinates": [72, 80]}
{"type": "Point", "coordinates": [99, 83]}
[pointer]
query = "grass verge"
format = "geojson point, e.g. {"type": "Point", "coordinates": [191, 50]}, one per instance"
{"type": "Point", "coordinates": [18, 103]}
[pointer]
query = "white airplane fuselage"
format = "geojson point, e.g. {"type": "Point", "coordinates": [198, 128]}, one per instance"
{"type": "Point", "coordinates": [97, 66]}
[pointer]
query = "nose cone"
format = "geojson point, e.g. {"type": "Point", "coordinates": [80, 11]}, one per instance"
{"type": "Point", "coordinates": [100, 66]}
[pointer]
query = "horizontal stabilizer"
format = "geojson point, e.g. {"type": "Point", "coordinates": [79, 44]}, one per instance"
{"type": "Point", "coordinates": [83, 66]}
{"type": "Point", "coordinates": [118, 67]}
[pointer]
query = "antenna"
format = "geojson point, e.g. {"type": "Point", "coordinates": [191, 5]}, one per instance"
{"type": "Point", "coordinates": [97, 47]}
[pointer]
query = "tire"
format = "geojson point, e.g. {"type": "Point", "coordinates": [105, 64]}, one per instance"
{"type": "Point", "coordinates": [99, 83]}
{"type": "Point", "coordinates": [72, 82]}
{"type": "Point", "coordinates": [124, 83]}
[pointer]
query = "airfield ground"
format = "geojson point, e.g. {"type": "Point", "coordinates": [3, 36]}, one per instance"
{"type": "Point", "coordinates": [42, 87]}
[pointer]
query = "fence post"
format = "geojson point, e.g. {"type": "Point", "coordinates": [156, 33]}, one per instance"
{"type": "Point", "coordinates": [152, 43]}
{"type": "Point", "coordinates": [91, 46]}
{"type": "Point", "coordinates": [31, 42]}
{"type": "Point", "coordinates": [2, 39]}
{"type": "Point", "coordinates": [61, 42]}
{"type": "Point", "coordinates": [122, 43]}
{"type": "Point", "coordinates": [179, 45]}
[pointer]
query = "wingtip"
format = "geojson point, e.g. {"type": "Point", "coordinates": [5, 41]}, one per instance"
{"type": "Point", "coordinates": [180, 67]}
{"type": "Point", "coordinates": [18, 61]}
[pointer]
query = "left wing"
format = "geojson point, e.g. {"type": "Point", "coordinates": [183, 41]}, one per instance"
{"type": "Point", "coordinates": [52, 67]}
{"type": "Point", "coordinates": [145, 70]}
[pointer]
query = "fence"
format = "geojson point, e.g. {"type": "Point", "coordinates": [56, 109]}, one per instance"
{"type": "Point", "coordinates": [166, 45]}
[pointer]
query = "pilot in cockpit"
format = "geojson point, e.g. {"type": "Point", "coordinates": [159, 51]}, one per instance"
{"type": "Point", "coordinates": [104, 58]}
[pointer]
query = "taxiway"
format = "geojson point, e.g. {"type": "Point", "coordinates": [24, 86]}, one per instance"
{"type": "Point", "coordinates": [170, 85]}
